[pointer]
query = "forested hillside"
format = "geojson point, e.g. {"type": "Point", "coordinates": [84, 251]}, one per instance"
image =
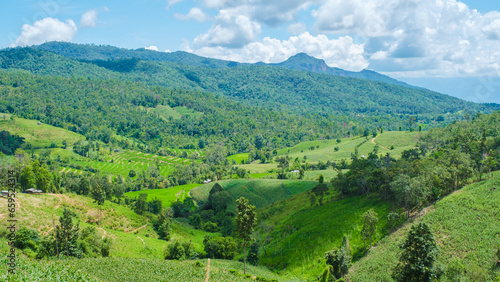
{"type": "Point", "coordinates": [267, 86]}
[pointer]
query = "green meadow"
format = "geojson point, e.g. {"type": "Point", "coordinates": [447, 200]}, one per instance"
{"type": "Point", "coordinates": [167, 195]}
{"type": "Point", "coordinates": [38, 135]}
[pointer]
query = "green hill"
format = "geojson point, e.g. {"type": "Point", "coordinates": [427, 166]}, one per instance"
{"type": "Point", "coordinates": [466, 227]}
{"type": "Point", "coordinates": [38, 135]}
{"type": "Point", "coordinates": [260, 192]}
{"type": "Point", "coordinates": [295, 235]}
{"type": "Point", "coordinates": [265, 86]}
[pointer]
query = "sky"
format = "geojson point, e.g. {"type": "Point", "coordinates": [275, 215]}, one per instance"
{"type": "Point", "coordinates": [444, 45]}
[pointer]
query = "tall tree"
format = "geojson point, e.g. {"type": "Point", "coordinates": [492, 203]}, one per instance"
{"type": "Point", "coordinates": [67, 234]}
{"type": "Point", "coordinates": [246, 220]}
{"type": "Point", "coordinates": [419, 252]}
{"type": "Point", "coordinates": [99, 197]}
{"type": "Point", "coordinates": [370, 219]}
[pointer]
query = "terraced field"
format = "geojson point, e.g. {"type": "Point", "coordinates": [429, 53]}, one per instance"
{"type": "Point", "coordinates": [122, 162]}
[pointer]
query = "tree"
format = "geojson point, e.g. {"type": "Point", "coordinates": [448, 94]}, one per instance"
{"type": "Point", "coordinates": [339, 260]}
{"type": "Point", "coordinates": [370, 219]}
{"type": "Point", "coordinates": [99, 197]}
{"type": "Point", "coordinates": [419, 252]}
{"type": "Point", "coordinates": [67, 234]}
{"type": "Point", "coordinates": [246, 220]}
{"type": "Point", "coordinates": [283, 165]}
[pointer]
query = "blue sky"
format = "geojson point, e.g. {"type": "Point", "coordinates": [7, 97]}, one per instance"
{"type": "Point", "coordinates": [412, 40]}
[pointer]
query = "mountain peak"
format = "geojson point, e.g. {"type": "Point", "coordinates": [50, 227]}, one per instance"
{"type": "Point", "coordinates": [302, 61]}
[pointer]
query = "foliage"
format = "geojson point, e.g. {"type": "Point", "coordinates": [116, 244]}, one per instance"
{"type": "Point", "coordinates": [9, 143]}
{"type": "Point", "coordinates": [246, 220]}
{"type": "Point", "coordinates": [419, 253]}
{"type": "Point", "coordinates": [179, 250]}
{"type": "Point", "coordinates": [220, 247]}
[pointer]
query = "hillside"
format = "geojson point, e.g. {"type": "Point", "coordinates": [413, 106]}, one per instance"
{"type": "Point", "coordinates": [304, 62]}
{"type": "Point", "coordinates": [265, 86]}
{"type": "Point", "coordinates": [260, 193]}
{"type": "Point", "coordinates": [38, 135]}
{"type": "Point", "coordinates": [466, 228]}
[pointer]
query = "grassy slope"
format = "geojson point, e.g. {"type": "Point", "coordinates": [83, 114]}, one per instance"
{"type": "Point", "coordinates": [259, 192]}
{"type": "Point", "coordinates": [126, 269]}
{"type": "Point", "coordinates": [168, 195]}
{"type": "Point", "coordinates": [465, 225]}
{"type": "Point", "coordinates": [125, 226]}
{"type": "Point", "coordinates": [38, 135]}
{"type": "Point", "coordinates": [300, 234]}
{"type": "Point", "coordinates": [400, 140]}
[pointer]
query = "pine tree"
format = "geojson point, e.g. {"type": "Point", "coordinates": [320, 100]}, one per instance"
{"type": "Point", "coordinates": [419, 253]}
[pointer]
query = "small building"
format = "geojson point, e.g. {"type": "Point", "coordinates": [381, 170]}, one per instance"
{"type": "Point", "coordinates": [33, 191]}
{"type": "Point", "coordinates": [207, 181]}
{"type": "Point", "coordinates": [38, 123]}
{"type": "Point", "coordinates": [295, 171]}
{"type": "Point", "coordinates": [5, 193]}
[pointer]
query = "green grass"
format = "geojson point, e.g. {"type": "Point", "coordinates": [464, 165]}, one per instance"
{"type": "Point", "coordinates": [301, 234]}
{"type": "Point", "coordinates": [324, 150]}
{"type": "Point", "coordinates": [238, 158]}
{"type": "Point", "coordinates": [126, 269]}
{"type": "Point", "coordinates": [121, 163]}
{"type": "Point", "coordinates": [259, 192]}
{"type": "Point", "coordinates": [176, 112]}
{"type": "Point", "coordinates": [258, 167]}
{"type": "Point", "coordinates": [40, 136]}
{"type": "Point", "coordinates": [466, 227]}
{"type": "Point", "coordinates": [123, 225]}
{"type": "Point", "coordinates": [167, 195]}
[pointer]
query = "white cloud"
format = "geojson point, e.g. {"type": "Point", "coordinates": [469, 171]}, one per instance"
{"type": "Point", "coordinates": [231, 29]}
{"type": "Point", "coordinates": [44, 30]}
{"type": "Point", "coordinates": [89, 18]}
{"type": "Point", "coordinates": [296, 28]}
{"type": "Point", "coordinates": [426, 37]}
{"type": "Point", "coordinates": [170, 3]}
{"type": "Point", "coordinates": [152, 48]}
{"type": "Point", "coordinates": [194, 14]}
{"type": "Point", "coordinates": [106, 9]}
{"type": "Point", "coordinates": [341, 52]}
{"type": "Point", "coordinates": [272, 13]}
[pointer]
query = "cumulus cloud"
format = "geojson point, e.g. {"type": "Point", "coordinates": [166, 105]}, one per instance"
{"type": "Point", "coordinates": [152, 48]}
{"type": "Point", "coordinates": [47, 29]}
{"type": "Point", "coordinates": [427, 37]}
{"type": "Point", "coordinates": [341, 52]}
{"type": "Point", "coordinates": [272, 13]}
{"type": "Point", "coordinates": [89, 18]}
{"type": "Point", "coordinates": [230, 29]}
{"type": "Point", "coordinates": [296, 28]}
{"type": "Point", "coordinates": [194, 14]}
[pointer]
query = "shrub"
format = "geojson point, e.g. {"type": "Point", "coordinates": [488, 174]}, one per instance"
{"type": "Point", "coordinates": [220, 247]}
{"type": "Point", "coordinates": [210, 226]}
{"type": "Point", "coordinates": [180, 250]}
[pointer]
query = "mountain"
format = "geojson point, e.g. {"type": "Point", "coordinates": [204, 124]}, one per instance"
{"type": "Point", "coordinates": [304, 62]}
{"type": "Point", "coordinates": [300, 61]}
{"type": "Point", "coordinates": [271, 87]}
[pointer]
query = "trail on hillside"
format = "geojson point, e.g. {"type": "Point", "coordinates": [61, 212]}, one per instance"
{"type": "Point", "coordinates": [144, 226]}
{"type": "Point", "coordinates": [373, 141]}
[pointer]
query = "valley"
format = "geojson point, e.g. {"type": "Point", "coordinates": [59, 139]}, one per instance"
{"type": "Point", "coordinates": [145, 160]}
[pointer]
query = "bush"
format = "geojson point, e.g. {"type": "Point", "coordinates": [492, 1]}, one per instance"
{"type": "Point", "coordinates": [27, 238]}
{"type": "Point", "coordinates": [210, 226]}
{"type": "Point", "coordinates": [180, 250]}
{"type": "Point", "coordinates": [220, 247]}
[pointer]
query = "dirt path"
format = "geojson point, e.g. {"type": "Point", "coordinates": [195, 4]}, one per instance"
{"type": "Point", "coordinates": [142, 240]}
{"type": "Point", "coordinates": [144, 226]}
{"type": "Point", "coordinates": [60, 200]}
{"type": "Point", "coordinates": [373, 141]}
